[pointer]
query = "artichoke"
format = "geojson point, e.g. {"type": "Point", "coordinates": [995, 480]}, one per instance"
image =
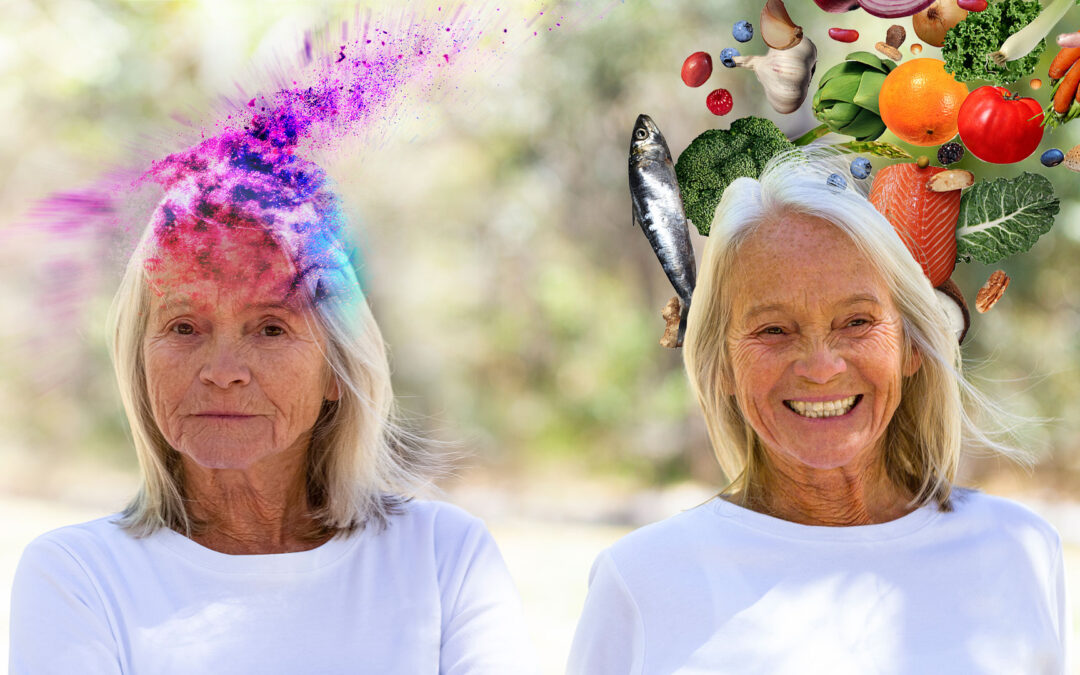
{"type": "Point", "coordinates": [847, 96]}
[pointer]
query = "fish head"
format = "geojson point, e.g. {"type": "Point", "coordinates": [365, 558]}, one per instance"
{"type": "Point", "coordinates": [647, 138]}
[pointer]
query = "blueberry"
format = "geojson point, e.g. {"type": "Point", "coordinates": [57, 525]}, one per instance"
{"type": "Point", "coordinates": [726, 56]}
{"type": "Point", "coordinates": [1052, 157]}
{"type": "Point", "coordinates": [837, 181]}
{"type": "Point", "coordinates": [860, 167]}
{"type": "Point", "coordinates": [950, 153]}
{"type": "Point", "coordinates": [743, 31]}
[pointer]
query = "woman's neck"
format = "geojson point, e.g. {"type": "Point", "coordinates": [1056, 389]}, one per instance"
{"type": "Point", "coordinates": [852, 495]}
{"type": "Point", "coordinates": [251, 511]}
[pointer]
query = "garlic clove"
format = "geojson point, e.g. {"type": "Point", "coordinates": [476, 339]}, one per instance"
{"type": "Point", "coordinates": [777, 29]}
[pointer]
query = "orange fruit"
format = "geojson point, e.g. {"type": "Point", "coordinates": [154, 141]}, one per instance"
{"type": "Point", "coordinates": [919, 102]}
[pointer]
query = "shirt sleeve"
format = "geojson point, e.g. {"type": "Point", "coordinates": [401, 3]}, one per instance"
{"type": "Point", "coordinates": [1063, 616]}
{"type": "Point", "coordinates": [484, 630]}
{"type": "Point", "coordinates": [610, 636]}
{"type": "Point", "coordinates": [58, 621]}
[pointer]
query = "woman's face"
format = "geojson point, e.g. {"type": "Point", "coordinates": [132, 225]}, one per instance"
{"type": "Point", "coordinates": [233, 362]}
{"type": "Point", "coordinates": [816, 345]}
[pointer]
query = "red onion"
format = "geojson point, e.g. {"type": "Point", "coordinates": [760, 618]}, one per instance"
{"type": "Point", "coordinates": [837, 6]}
{"type": "Point", "coordinates": [891, 9]}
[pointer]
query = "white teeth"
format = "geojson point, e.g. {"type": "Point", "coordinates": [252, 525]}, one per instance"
{"type": "Point", "coordinates": [815, 409]}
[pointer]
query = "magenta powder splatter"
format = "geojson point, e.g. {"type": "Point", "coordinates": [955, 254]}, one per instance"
{"type": "Point", "coordinates": [245, 163]}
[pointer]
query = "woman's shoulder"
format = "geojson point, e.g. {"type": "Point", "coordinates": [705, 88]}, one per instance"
{"type": "Point", "coordinates": [81, 539]}
{"type": "Point", "coordinates": [440, 523]}
{"type": "Point", "coordinates": [976, 512]}
{"type": "Point", "coordinates": [73, 553]}
{"type": "Point", "coordinates": [667, 541]}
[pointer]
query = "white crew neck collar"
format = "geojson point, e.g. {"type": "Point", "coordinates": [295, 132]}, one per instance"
{"type": "Point", "coordinates": [272, 563]}
{"type": "Point", "coordinates": [894, 529]}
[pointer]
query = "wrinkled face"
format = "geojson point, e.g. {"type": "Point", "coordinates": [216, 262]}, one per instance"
{"type": "Point", "coordinates": [233, 362]}
{"type": "Point", "coordinates": [816, 345]}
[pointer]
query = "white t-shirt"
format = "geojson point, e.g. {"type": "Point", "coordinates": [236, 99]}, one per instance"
{"type": "Point", "coordinates": [429, 594]}
{"type": "Point", "coordinates": [722, 589]}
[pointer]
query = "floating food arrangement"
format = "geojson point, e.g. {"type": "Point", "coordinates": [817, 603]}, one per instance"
{"type": "Point", "coordinates": [943, 214]}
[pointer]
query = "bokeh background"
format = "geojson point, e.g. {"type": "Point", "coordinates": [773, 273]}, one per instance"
{"type": "Point", "coordinates": [521, 304]}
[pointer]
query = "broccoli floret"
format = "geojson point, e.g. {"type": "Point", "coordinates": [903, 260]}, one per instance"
{"type": "Point", "coordinates": [968, 44]}
{"type": "Point", "coordinates": [717, 157]}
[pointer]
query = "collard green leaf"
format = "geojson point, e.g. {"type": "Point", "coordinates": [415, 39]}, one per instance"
{"type": "Point", "coordinates": [1005, 216]}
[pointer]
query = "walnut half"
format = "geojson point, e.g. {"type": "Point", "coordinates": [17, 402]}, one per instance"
{"type": "Point", "coordinates": [991, 291]}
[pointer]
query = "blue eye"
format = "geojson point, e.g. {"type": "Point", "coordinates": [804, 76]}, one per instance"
{"type": "Point", "coordinates": [858, 322]}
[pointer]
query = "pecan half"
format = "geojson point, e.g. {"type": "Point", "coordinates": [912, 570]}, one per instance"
{"type": "Point", "coordinates": [991, 291]}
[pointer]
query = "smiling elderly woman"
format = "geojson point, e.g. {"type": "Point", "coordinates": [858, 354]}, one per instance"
{"type": "Point", "coordinates": [831, 386]}
{"type": "Point", "coordinates": [274, 530]}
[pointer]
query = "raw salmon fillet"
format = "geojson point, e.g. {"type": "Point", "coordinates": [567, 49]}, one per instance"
{"type": "Point", "coordinates": [925, 220]}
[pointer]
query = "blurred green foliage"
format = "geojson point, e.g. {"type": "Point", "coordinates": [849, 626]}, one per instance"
{"type": "Point", "coordinates": [521, 304]}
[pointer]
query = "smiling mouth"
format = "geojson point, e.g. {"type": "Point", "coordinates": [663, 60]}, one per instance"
{"type": "Point", "coordinates": [818, 409]}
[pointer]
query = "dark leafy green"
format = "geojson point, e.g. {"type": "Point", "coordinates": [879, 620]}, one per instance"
{"type": "Point", "coordinates": [968, 44]}
{"type": "Point", "coordinates": [1005, 216]}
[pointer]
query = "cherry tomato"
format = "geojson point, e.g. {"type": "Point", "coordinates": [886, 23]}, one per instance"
{"type": "Point", "coordinates": [999, 126]}
{"type": "Point", "coordinates": [696, 69]}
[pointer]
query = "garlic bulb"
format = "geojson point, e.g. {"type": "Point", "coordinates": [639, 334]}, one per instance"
{"type": "Point", "coordinates": [784, 74]}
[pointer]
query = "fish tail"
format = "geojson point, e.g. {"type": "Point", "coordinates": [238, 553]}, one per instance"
{"type": "Point", "coordinates": [684, 311]}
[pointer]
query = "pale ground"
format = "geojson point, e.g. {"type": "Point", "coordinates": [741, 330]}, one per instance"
{"type": "Point", "coordinates": [549, 550]}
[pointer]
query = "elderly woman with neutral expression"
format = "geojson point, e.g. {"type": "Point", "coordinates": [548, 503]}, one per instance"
{"type": "Point", "coordinates": [274, 530]}
{"type": "Point", "coordinates": [832, 391]}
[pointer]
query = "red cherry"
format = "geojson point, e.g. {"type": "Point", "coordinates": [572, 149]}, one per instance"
{"type": "Point", "coordinates": [719, 102]}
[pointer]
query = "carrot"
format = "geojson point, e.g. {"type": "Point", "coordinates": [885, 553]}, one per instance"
{"type": "Point", "coordinates": [1064, 59]}
{"type": "Point", "coordinates": [1066, 90]}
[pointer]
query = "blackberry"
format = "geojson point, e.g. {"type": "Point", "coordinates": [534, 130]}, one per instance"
{"type": "Point", "coordinates": [950, 153]}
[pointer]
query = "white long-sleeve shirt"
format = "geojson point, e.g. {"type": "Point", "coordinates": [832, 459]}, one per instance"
{"type": "Point", "coordinates": [722, 589]}
{"type": "Point", "coordinates": [429, 594]}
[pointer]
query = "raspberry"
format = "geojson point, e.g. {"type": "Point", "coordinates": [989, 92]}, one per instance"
{"type": "Point", "coordinates": [719, 102]}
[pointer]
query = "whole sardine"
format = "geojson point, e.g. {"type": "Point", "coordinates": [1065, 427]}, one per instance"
{"type": "Point", "coordinates": [658, 210]}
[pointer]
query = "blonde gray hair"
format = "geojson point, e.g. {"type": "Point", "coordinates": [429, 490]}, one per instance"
{"type": "Point", "coordinates": [931, 426]}
{"type": "Point", "coordinates": [362, 463]}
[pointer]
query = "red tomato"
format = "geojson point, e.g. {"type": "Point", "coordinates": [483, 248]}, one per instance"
{"type": "Point", "coordinates": [998, 126]}
{"type": "Point", "coordinates": [696, 69]}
